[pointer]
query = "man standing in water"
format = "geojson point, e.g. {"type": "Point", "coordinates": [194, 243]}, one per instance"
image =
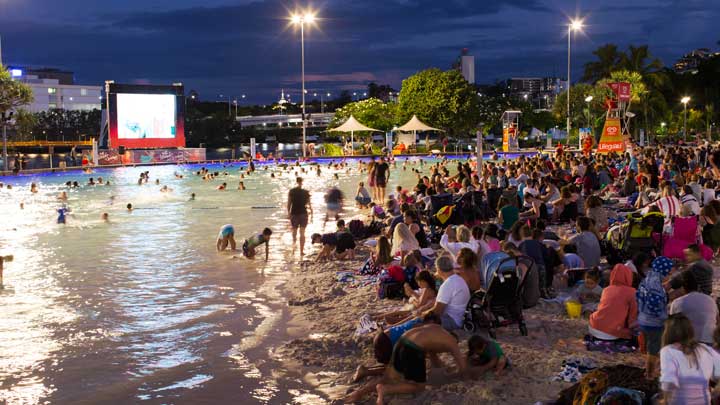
{"type": "Point", "coordinates": [382, 175]}
{"type": "Point", "coordinates": [298, 205]}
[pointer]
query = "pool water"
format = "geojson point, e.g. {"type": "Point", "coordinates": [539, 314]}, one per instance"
{"type": "Point", "coordinates": [143, 309]}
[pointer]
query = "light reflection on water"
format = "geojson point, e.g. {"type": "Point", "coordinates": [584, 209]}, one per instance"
{"type": "Point", "coordinates": [143, 308]}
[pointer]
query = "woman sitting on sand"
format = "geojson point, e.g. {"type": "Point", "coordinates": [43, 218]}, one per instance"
{"type": "Point", "coordinates": [381, 257]}
{"type": "Point", "coordinates": [404, 241]}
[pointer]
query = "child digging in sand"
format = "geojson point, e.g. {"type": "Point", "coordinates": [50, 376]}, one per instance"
{"type": "Point", "coordinates": [485, 355]}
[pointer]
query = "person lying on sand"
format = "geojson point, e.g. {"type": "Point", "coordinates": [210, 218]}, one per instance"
{"type": "Point", "coordinates": [406, 372]}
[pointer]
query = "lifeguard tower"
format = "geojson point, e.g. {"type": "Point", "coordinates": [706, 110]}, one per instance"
{"type": "Point", "coordinates": [511, 130]}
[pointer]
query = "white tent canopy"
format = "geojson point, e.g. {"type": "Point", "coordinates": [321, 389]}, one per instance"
{"type": "Point", "coordinates": [352, 125]}
{"type": "Point", "coordinates": [416, 125]}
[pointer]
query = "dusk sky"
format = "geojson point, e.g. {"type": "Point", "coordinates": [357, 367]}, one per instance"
{"type": "Point", "coordinates": [247, 47]}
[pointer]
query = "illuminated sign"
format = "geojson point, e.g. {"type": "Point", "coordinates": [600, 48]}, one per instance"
{"type": "Point", "coordinates": [16, 72]}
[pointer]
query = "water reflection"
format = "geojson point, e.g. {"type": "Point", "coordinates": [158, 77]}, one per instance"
{"type": "Point", "coordinates": [143, 308]}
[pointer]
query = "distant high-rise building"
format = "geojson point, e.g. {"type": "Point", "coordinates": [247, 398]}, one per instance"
{"type": "Point", "coordinates": [540, 91]}
{"type": "Point", "coordinates": [690, 61]}
{"type": "Point", "coordinates": [466, 65]}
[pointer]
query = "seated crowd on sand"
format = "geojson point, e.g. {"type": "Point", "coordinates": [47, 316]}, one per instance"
{"type": "Point", "coordinates": [623, 241]}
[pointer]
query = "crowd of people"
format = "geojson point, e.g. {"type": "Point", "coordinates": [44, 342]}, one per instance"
{"type": "Point", "coordinates": [577, 219]}
{"type": "Point", "coordinates": [573, 216]}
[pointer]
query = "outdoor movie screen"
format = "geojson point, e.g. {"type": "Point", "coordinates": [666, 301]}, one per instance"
{"type": "Point", "coordinates": [146, 116]}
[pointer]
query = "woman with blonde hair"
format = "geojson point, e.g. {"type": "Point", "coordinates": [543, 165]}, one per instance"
{"type": "Point", "coordinates": [404, 241]}
{"type": "Point", "coordinates": [463, 238]}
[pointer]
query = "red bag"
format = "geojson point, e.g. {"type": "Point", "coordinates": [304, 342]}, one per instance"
{"type": "Point", "coordinates": [397, 273]}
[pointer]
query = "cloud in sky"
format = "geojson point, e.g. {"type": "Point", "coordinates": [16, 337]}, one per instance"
{"type": "Point", "coordinates": [247, 47]}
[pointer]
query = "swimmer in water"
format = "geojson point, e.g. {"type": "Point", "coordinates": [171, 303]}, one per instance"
{"type": "Point", "coordinates": [62, 196]}
{"type": "Point", "coordinates": [91, 182]}
{"type": "Point", "coordinates": [192, 197]}
{"type": "Point", "coordinates": [166, 189]}
{"type": "Point", "coordinates": [255, 241]}
{"type": "Point", "coordinates": [33, 188]}
{"type": "Point", "coordinates": [129, 207]}
{"type": "Point", "coordinates": [157, 182]}
{"type": "Point", "coordinates": [241, 186]}
{"type": "Point", "coordinates": [61, 215]}
{"type": "Point", "coordinates": [100, 180]}
{"type": "Point", "coordinates": [105, 217]}
{"type": "Point", "coordinates": [222, 187]}
{"type": "Point", "coordinates": [226, 237]}
{"type": "Point", "coordinates": [22, 205]}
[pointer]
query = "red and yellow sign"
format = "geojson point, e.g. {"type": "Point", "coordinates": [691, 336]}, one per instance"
{"type": "Point", "coordinates": [621, 90]}
{"type": "Point", "coordinates": [611, 139]}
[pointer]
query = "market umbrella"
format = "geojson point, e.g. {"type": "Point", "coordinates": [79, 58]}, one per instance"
{"type": "Point", "coordinates": [352, 125]}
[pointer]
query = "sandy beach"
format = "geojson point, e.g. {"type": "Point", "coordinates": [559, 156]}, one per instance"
{"type": "Point", "coordinates": [325, 314]}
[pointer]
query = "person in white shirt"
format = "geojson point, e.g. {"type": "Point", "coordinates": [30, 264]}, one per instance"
{"type": "Point", "coordinates": [452, 297]}
{"type": "Point", "coordinates": [688, 200]}
{"type": "Point", "coordinates": [686, 366]}
{"type": "Point", "coordinates": [708, 192]}
{"type": "Point", "coordinates": [463, 238]}
{"type": "Point", "coordinates": [668, 204]}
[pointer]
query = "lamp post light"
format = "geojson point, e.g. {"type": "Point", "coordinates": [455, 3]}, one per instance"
{"type": "Point", "coordinates": [685, 101]}
{"type": "Point", "coordinates": [301, 20]}
{"type": "Point", "coordinates": [588, 99]}
{"type": "Point", "coordinates": [574, 25]}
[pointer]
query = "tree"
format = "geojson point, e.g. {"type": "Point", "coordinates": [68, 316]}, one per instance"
{"type": "Point", "coordinates": [13, 94]}
{"type": "Point", "coordinates": [609, 59]}
{"type": "Point", "coordinates": [441, 99]}
{"type": "Point", "coordinates": [25, 123]}
{"type": "Point", "coordinates": [578, 105]}
{"type": "Point", "coordinates": [371, 112]}
{"type": "Point", "coordinates": [379, 91]}
{"type": "Point", "coordinates": [638, 59]}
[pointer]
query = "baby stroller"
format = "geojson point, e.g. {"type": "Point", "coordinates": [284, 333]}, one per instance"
{"type": "Point", "coordinates": [501, 301]}
{"type": "Point", "coordinates": [643, 233]}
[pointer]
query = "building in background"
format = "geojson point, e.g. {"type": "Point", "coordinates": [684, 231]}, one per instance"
{"type": "Point", "coordinates": [56, 89]}
{"type": "Point", "coordinates": [690, 61]}
{"type": "Point", "coordinates": [540, 91]}
{"type": "Point", "coordinates": [466, 65]}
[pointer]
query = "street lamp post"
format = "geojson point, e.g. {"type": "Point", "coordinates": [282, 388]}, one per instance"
{"type": "Point", "coordinates": [685, 100]}
{"type": "Point", "coordinates": [297, 19]}
{"type": "Point", "coordinates": [575, 25]}
{"type": "Point", "coordinates": [588, 99]}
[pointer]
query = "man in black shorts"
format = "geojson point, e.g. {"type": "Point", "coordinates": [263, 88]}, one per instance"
{"type": "Point", "coordinates": [382, 176]}
{"type": "Point", "coordinates": [406, 373]}
{"type": "Point", "coordinates": [298, 205]}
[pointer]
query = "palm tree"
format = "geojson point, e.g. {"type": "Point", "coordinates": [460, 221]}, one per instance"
{"type": "Point", "coordinates": [638, 59]}
{"type": "Point", "coordinates": [608, 60]}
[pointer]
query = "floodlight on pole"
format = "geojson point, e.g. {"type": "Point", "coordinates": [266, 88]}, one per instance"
{"type": "Point", "coordinates": [574, 25]}
{"type": "Point", "coordinates": [301, 20]}
{"type": "Point", "coordinates": [685, 100]}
